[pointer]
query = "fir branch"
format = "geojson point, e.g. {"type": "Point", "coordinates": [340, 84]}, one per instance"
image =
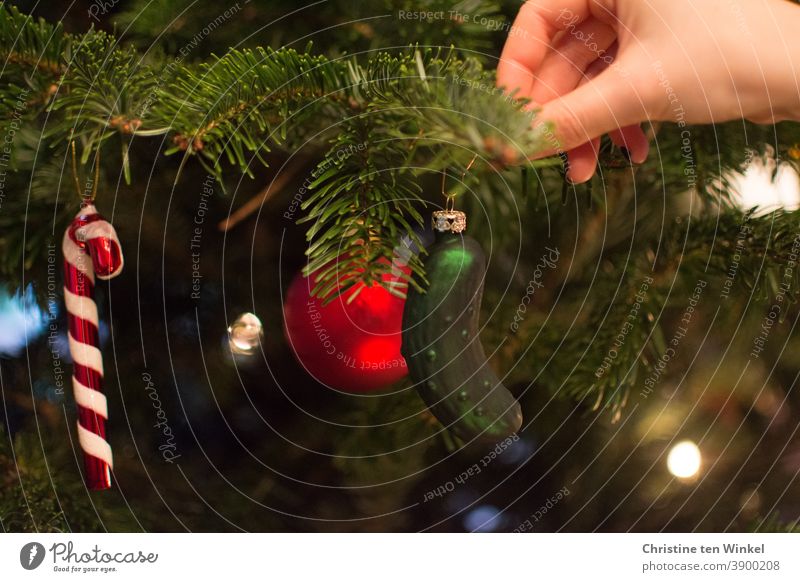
{"type": "Point", "coordinates": [31, 52]}
{"type": "Point", "coordinates": [361, 207]}
{"type": "Point", "coordinates": [628, 331]}
{"type": "Point", "coordinates": [103, 88]}
{"type": "Point", "coordinates": [233, 104]}
{"type": "Point", "coordinates": [32, 46]}
{"type": "Point", "coordinates": [417, 112]}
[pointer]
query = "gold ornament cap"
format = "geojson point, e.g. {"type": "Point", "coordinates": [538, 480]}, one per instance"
{"type": "Point", "coordinates": [449, 221]}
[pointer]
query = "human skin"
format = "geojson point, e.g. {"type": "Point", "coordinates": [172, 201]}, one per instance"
{"type": "Point", "coordinates": [605, 66]}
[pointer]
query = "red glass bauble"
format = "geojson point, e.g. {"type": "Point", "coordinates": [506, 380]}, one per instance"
{"type": "Point", "coordinates": [350, 344]}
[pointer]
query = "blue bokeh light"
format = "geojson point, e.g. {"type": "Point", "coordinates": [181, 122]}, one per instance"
{"type": "Point", "coordinates": [484, 518]}
{"type": "Point", "coordinates": [21, 321]}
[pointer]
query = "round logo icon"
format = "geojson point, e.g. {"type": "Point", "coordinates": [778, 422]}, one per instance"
{"type": "Point", "coordinates": [31, 555]}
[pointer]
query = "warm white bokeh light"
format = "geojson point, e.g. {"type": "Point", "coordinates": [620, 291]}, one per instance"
{"type": "Point", "coordinates": [684, 460]}
{"type": "Point", "coordinates": [755, 187]}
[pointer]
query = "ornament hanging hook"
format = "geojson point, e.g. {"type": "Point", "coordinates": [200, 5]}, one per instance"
{"type": "Point", "coordinates": [450, 198]}
{"type": "Point", "coordinates": [96, 175]}
{"type": "Point", "coordinates": [469, 165]}
{"type": "Point", "coordinates": [75, 172]}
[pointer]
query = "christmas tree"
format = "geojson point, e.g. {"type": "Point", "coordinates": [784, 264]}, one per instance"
{"type": "Point", "coordinates": [643, 321]}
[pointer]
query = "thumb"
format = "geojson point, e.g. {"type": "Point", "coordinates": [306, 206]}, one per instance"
{"type": "Point", "coordinates": [608, 102]}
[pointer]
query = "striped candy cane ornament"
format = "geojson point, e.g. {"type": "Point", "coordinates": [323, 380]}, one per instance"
{"type": "Point", "coordinates": [91, 248]}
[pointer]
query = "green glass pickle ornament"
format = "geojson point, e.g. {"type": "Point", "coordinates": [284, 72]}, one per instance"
{"type": "Point", "coordinates": [441, 343]}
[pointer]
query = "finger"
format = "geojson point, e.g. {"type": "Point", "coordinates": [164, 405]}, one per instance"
{"type": "Point", "coordinates": [633, 139]}
{"type": "Point", "coordinates": [605, 104]}
{"type": "Point", "coordinates": [566, 65]}
{"type": "Point", "coordinates": [534, 28]}
{"type": "Point", "coordinates": [583, 161]}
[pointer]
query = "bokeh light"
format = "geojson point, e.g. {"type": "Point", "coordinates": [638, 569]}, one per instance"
{"type": "Point", "coordinates": [684, 460]}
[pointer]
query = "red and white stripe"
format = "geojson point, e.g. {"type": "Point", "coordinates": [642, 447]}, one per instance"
{"type": "Point", "coordinates": [91, 248]}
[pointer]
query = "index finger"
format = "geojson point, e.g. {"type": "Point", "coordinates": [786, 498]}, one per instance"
{"type": "Point", "coordinates": [531, 37]}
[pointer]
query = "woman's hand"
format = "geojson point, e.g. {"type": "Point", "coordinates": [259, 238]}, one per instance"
{"type": "Point", "coordinates": [604, 66]}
